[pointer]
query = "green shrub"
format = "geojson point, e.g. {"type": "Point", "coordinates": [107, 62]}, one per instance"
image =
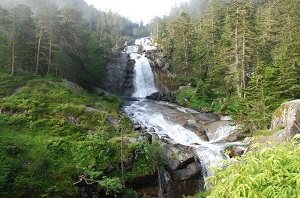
{"type": "Point", "coordinates": [18, 120]}
{"type": "Point", "coordinates": [270, 172]}
{"type": "Point", "coordinates": [4, 172]}
{"type": "Point", "coordinates": [111, 185]}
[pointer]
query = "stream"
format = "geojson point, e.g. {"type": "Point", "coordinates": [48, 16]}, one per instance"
{"type": "Point", "coordinates": [169, 121]}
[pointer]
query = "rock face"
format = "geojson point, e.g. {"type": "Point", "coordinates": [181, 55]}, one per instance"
{"type": "Point", "coordinates": [184, 170]}
{"type": "Point", "coordinates": [120, 75]}
{"type": "Point", "coordinates": [181, 176]}
{"type": "Point", "coordinates": [287, 116]}
{"type": "Point", "coordinates": [163, 77]}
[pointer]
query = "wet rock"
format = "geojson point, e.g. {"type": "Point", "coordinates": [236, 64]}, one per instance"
{"type": "Point", "coordinates": [178, 156]}
{"type": "Point", "coordinates": [223, 130]}
{"type": "Point", "coordinates": [192, 170]}
{"type": "Point", "coordinates": [199, 131]}
{"type": "Point", "coordinates": [137, 127]}
{"type": "Point", "coordinates": [213, 126]}
{"type": "Point", "coordinates": [167, 96]}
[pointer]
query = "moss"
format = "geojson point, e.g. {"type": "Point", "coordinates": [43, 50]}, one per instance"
{"type": "Point", "coordinates": [277, 112]}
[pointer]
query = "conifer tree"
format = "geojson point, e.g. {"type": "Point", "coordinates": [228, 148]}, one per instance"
{"type": "Point", "coordinates": [22, 38]}
{"type": "Point", "coordinates": [181, 32]}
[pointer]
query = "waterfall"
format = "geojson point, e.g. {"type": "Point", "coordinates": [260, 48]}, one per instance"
{"type": "Point", "coordinates": [144, 78]}
{"type": "Point", "coordinates": [150, 116]}
{"type": "Point", "coordinates": [164, 183]}
{"type": "Point", "coordinates": [157, 120]}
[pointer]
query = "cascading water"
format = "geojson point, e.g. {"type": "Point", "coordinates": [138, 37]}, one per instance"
{"type": "Point", "coordinates": [144, 78]}
{"type": "Point", "coordinates": [151, 115]}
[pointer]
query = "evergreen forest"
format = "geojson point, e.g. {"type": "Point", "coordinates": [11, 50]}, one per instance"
{"type": "Point", "coordinates": [244, 51]}
{"type": "Point", "coordinates": [60, 139]}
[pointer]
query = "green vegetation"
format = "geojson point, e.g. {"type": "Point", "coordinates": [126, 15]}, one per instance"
{"type": "Point", "coordinates": [56, 137]}
{"type": "Point", "coordinates": [68, 39]}
{"type": "Point", "coordinates": [271, 172]}
{"type": "Point", "coordinates": [191, 97]}
{"type": "Point", "coordinates": [241, 56]}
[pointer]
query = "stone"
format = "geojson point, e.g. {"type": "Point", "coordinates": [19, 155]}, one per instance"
{"type": "Point", "coordinates": [177, 156]}
{"type": "Point", "coordinates": [137, 127]}
{"type": "Point", "coordinates": [287, 116]}
{"type": "Point", "coordinates": [167, 96]}
{"type": "Point", "coordinates": [213, 131]}
{"type": "Point", "coordinates": [192, 170]}
{"type": "Point", "coordinates": [100, 91]}
{"type": "Point", "coordinates": [119, 75]}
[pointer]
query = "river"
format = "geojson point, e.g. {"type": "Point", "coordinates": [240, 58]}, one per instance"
{"type": "Point", "coordinates": [168, 121]}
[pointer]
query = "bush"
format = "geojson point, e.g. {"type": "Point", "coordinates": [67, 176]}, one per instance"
{"type": "Point", "coordinates": [271, 172]}
{"type": "Point", "coordinates": [111, 185]}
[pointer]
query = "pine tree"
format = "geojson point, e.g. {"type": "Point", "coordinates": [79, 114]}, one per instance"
{"type": "Point", "coordinates": [181, 32]}
{"type": "Point", "coordinates": [4, 38]}
{"type": "Point", "coordinates": [22, 38]}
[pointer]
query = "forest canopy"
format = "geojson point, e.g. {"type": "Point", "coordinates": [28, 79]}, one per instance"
{"type": "Point", "coordinates": [66, 38]}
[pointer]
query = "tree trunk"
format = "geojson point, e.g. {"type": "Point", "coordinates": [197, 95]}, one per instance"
{"type": "Point", "coordinates": [38, 51]}
{"type": "Point", "coordinates": [50, 53]}
{"type": "Point", "coordinates": [13, 56]}
{"type": "Point", "coordinates": [236, 48]}
{"type": "Point", "coordinates": [244, 66]}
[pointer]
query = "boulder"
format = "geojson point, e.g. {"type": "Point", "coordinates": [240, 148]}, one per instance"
{"type": "Point", "coordinates": [192, 170]}
{"type": "Point", "coordinates": [287, 116]}
{"type": "Point", "coordinates": [167, 96]}
{"type": "Point", "coordinates": [181, 162]}
{"type": "Point", "coordinates": [222, 130]}
{"type": "Point", "coordinates": [178, 156]}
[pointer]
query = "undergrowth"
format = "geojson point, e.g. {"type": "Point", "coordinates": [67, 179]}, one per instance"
{"type": "Point", "coordinates": [56, 137]}
{"type": "Point", "coordinates": [270, 172]}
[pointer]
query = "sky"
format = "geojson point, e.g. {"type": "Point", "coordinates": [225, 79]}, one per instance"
{"type": "Point", "coordinates": [137, 10]}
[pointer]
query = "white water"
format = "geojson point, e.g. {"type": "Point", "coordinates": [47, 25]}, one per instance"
{"type": "Point", "coordinates": [221, 133]}
{"type": "Point", "coordinates": [149, 115]}
{"type": "Point", "coordinates": [144, 78]}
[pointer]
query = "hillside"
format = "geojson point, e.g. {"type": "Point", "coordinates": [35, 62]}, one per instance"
{"type": "Point", "coordinates": [59, 140]}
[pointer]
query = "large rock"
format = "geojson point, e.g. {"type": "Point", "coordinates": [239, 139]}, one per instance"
{"type": "Point", "coordinates": [178, 156]}
{"type": "Point", "coordinates": [287, 116]}
{"type": "Point", "coordinates": [164, 79]}
{"type": "Point", "coordinates": [192, 170]}
{"type": "Point", "coordinates": [167, 96]}
{"type": "Point", "coordinates": [222, 130]}
{"type": "Point", "coordinates": [119, 78]}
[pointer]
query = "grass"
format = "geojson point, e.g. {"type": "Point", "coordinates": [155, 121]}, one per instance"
{"type": "Point", "coordinates": [49, 139]}
{"type": "Point", "coordinates": [10, 83]}
{"type": "Point", "coordinates": [189, 97]}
